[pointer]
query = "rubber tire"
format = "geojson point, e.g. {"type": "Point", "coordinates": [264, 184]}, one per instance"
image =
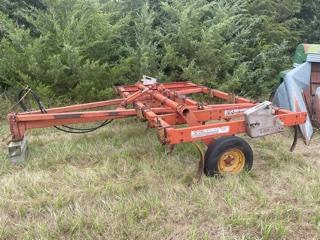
{"type": "Point", "coordinates": [219, 146]}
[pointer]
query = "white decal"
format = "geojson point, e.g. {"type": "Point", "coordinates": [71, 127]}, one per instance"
{"type": "Point", "coordinates": [231, 112]}
{"type": "Point", "coordinates": [209, 131]}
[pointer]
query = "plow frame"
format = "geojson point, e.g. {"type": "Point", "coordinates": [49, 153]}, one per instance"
{"type": "Point", "coordinates": [165, 107]}
{"type": "Point", "coordinates": [176, 117]}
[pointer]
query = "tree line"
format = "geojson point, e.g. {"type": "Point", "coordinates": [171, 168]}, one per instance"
{"type": "Point", "coordinates": [79, 49]}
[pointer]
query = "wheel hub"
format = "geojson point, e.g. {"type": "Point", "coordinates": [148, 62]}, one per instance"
{"type": "Point", "coordinates": [231, 161]}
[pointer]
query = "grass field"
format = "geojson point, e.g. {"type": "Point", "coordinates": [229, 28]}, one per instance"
{"type": "Point", "coordinates": [119, 183]}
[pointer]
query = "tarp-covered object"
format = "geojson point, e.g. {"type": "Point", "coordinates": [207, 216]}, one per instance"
{"type": "Point", "coordinates": [290, 96]}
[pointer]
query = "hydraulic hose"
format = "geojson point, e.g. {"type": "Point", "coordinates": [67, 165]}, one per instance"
{"type": "Point", "coordinates": [64, 128]}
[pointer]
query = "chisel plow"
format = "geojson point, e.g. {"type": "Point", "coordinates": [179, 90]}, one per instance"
{"type": "Point", "coordinates": [176, 117]}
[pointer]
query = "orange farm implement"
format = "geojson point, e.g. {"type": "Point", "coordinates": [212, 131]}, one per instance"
{"type": "Point", "coordinates": [176, 118]}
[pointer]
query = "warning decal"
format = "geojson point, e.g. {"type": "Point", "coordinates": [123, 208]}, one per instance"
{"type": "Point", "coordinates": [209, 131]}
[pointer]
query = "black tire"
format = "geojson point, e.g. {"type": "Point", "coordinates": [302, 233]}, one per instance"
{"type": "Point", "coordinates": [220, 148]}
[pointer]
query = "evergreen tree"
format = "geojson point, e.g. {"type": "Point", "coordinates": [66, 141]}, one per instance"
{"type": "Point", "coordinates": [78, 49]}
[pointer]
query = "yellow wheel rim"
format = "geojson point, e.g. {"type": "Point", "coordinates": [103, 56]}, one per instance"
{"type": "Point", "coordinates": [232, 161]}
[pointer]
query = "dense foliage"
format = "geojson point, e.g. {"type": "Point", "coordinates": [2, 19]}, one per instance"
{"type": "Point", "coordinates": [79, 49]}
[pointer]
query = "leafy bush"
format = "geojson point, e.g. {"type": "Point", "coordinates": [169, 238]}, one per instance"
{"type": "Point", "coordinates": [78, 49]}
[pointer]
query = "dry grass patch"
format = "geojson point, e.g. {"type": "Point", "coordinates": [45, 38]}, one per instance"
{"type": "Point", "coordinates": [119, 183]}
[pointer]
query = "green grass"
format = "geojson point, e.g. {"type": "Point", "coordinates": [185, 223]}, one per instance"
{"type": "Point", "coordinates": [119, 183]}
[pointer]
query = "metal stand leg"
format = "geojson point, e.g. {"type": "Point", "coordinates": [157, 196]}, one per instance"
{"type": "Point", "coordinates": [18, 151]}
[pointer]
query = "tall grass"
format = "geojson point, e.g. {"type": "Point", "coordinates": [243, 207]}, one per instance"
{"type": "Point", "coordinates": [119, 183]}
